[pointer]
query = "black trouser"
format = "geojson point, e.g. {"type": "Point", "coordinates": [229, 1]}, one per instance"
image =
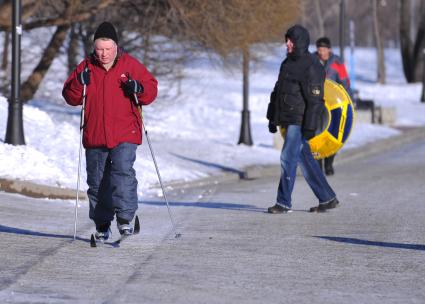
{"type": "Point", "coordinates": [328, 163]}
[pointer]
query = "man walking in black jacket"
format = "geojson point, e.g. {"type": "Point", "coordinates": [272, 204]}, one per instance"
{"type": "Point", "coordinates": [296, 105]}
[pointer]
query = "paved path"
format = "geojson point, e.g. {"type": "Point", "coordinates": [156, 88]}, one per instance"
{"type": "Point", "coordinates": [370, 250]}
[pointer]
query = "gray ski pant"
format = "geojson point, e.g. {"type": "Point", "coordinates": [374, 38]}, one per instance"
{"type": "Point", "coordinates": [112, 183]}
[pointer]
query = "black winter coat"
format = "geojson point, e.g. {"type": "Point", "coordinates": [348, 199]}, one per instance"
{"type": "Point", "coordinates": [297, 97]}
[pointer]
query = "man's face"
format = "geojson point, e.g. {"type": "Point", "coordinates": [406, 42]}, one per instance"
{"type": "Point", "coordinates": [324, 53]}
{"type": "Point", "coordinates": [289, 46]}
{"type": "Point", "coordinates": [106, 50]}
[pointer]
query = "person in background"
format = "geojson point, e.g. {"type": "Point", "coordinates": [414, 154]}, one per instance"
{"type": "Point", "coordinates": [336, 71]}
{"type": "Point", "coordinates": [295, 105]}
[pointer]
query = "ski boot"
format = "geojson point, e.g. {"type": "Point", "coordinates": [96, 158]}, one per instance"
{"type": "Point", "coordinates": [102, 236]}
{"type": "Point", "coordinates": [103, 232]}
{"type": "Point", "coordinates": [124, 227]}
{"type": "Point", "coordinates": [126, 230]}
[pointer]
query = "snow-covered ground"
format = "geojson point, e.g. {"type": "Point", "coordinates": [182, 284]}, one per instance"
{"type": "Point", "coordinates": [195, 134]}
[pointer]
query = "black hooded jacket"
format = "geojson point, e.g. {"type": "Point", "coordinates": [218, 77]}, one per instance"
{"type": "Point", "coordinates": [297, 97]}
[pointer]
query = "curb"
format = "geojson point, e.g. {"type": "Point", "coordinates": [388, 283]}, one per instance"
{"type": "Point", "coordinates": [31, 189]}
{"type": "Point", "coordinates": [215, 179]}
{"type": "Point", "coordinates": [408, 135]}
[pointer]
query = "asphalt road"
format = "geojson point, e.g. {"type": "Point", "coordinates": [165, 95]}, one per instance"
{"type": "Point", "coordinates": [370, 250]}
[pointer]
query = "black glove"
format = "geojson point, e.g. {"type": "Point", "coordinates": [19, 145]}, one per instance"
{"type": "Point", "coordinates": [308, 134]}
{"type": "Point", "coordinates": [133, 86]}
{"type": "Point", "coordinates": [272, 128]}
{"type": "Point", "coordinates": [84, 76]}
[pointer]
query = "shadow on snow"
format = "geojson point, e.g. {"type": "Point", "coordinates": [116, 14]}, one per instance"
{"type": "Point", "coordinates": [211, 165]}
{"type": "Point", "coordinates": [209, 205]}
{"type": "Point", "coordinates": [355, 241]}
{"type": "Point", "coordinates": [13, 230]}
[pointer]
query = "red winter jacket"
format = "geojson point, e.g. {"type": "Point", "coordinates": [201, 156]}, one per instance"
{"type": "Point", "coordinates": [335, 70]}
{"type": "Point", "coordinates": [110, 116]}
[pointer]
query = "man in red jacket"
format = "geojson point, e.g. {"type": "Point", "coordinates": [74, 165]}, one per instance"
{"type": "Point", "coordinates": [112, 127]}
{"type": "Point", "coordinates": [335, 70]}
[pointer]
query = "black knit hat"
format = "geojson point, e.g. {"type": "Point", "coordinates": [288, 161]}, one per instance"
{"type": "Point", "coordinates": [323, 42]}
{"type": "Point", "coordinates": [106, 30]}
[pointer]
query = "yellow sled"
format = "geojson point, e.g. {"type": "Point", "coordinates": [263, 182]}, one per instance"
{"type": "Point", "coordinates": [337, 121]}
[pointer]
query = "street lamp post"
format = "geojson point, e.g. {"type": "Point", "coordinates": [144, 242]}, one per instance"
{"type": "Point", "coordinates": [423, 76]}
{"type": "Point", "coordinates": [245, 134]}
{"type": "Point", "coordinates": [342, 28]}
{"type": "Point", "coordinates": [15, 126]}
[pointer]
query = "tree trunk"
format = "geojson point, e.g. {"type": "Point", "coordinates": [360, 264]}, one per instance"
{"type": "Point", "coordinates": [6, 43]}
{"type": "Point", "coordinates": [30, 86]}
{"type": "Point", "coordinates": [146, 49]}
{"type": "Point", "coordinates": [303, 13]}
{"type": "Point", "coordinates": [419, 46]}
{"type": "Point", "coordinates": [405, 41]}
{"type": "Point", "coordinates": [379, 47]}
{"type": "Point", "coordinates": [411, 47]}
{"type": "Point", "coordinates": [320, 22]}
{"type": "Point", "coordinates": [423, 76]}
{"type": "Point", "coordinates": [72, 51]}
{"type": "Point", "coordinates": [85, 33]}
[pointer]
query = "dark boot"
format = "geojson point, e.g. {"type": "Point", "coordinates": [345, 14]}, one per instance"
{"type": "Point", "coordinates": [102, 227]}
{"type": "Point", "coordinates": [323, 207]}
{"type": "Point", "coordinates": [329, 169]}
{"type": "Point", "coordinates": [124, 227]}
{"type": "Point", "coordinates": [103, 231]}
{"type": "Point", "coordinates": [278, 209]}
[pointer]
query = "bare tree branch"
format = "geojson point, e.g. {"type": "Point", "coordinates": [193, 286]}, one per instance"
{"type": "Point", "coordinates": [74, 12]}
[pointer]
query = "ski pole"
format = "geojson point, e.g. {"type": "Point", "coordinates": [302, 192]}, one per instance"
{"type": "Point", "coordinates": [177, 235]}
{"type": "Point", "coordinates": [79, 159]}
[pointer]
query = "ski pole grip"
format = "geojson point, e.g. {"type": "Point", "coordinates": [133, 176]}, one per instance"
{"type": "Point", "coordinates": [128, 76]}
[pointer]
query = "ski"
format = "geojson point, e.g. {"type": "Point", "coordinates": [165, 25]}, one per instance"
{"type": "Point", "coordinates": [96, 242]}
{"type": "Point", "coordinates": [93, 242]}
{"type": "Point", "coordinates": [136, 230]}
